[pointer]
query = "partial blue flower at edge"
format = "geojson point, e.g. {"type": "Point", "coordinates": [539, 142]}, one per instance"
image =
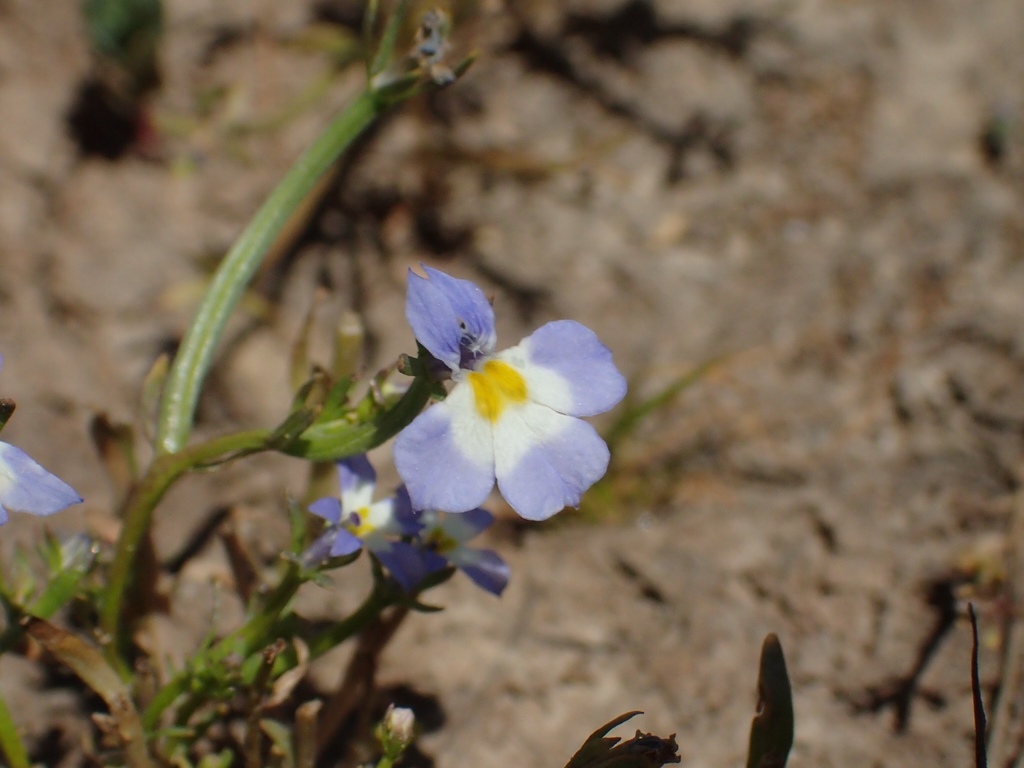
{"type": "Point", "coordinates": [25, 486]}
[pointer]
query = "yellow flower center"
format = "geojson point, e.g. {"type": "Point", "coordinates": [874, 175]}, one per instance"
{"type": "Point", "coordinates": [495, 387]}
{"type": "Point", "coordinates": [363, 528]}
{"type": "Point", "coordinates": [441, 542]}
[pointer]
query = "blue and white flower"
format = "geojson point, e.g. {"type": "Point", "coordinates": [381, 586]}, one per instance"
{"type": "Point", "coordinates": [26, 487]}
{"type": "Point", "coordinates": [512, 416]}
{"type": "Point", "coordinates": [443, 540]}
{"type": "Point", "coordinates": [356, 520]}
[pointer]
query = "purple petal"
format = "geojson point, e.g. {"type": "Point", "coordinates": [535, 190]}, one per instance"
{"type": "Point", "coordinates": [485, 567]}
{"type": "Point", "coordinates": [345, 543]}
{"type": "Point", "coordinates": [403, 560]}
{"type": "Point", "coordinates": [434, 561]}
{"type": "Point", "coordinates": [329, 508]}
{"type": "Point", "coordinates": [406, 520]}
{"type": "Point", "coordinates": [546, 460]}
{"type": "Point", "coordinates": [27, 487]}
{"type": "Point", "coordinates": [574, 352]}
{"type": "Point", "coordinates": [446, 456]}
{"type": "Point", "coordinates": [334, 542]}
{"type": "Point", "coordinates": [317, 552]}
{"type": "Point", "coordinates": [450, 317]}
{"type": "Point", "coordinates": [357, 479]}
{"type": "Point", "coordinates": [467, 525]}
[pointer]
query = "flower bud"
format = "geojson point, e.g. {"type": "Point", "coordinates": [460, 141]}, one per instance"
{"type": "Point", "coordinates": [399, 724]}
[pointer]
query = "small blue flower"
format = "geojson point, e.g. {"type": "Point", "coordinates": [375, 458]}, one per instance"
{"type": "Point", "coordinates": [512, 416]}
{"type": "Point", "coordinates": [27, 487]}
{"type": "Point", "coordinates": [442, 542]}
{"type": "Point", "coordinates": [355, 521]}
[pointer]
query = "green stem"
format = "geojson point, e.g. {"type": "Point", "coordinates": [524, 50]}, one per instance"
{"type": "Point", "coordinates": [10, 741]}
{"type": "Point", "coordinates": [256, 633]}
{"type": "Point", "coordinates": [251, 636]}
{"type": "Point", "coordinates": [195, 356]}
{"type": "Point", "coordinates": [332, 440]}
{"type": "Point", "coordinates": [138, 513]}
{"type": "Point", "coordinates": [375, 602]}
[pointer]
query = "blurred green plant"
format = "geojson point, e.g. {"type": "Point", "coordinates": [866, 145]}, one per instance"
{"type": "Point", "coordinates": [628, 485]}
{"type": "Point", "coordinates": [125, 34]}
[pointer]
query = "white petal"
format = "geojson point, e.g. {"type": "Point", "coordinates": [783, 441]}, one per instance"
{"type": "Point", "coordinates": [446, 456]}
{"type": "Point", "coordinates": [545, 460]}
{"type": "Point", "coordinates": [543, 385]}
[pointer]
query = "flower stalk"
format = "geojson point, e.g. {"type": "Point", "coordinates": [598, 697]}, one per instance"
{"type": "Point", "coordinates": [195, 356]}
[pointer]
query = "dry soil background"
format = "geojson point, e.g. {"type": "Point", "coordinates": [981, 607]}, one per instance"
{"type": "Point", "coordinates": [823, 196]}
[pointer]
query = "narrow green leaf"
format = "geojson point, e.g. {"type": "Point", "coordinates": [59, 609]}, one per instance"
{"type": "Point", "coordinates": [195, 356]}
{"type": "Point", "coordinates": [370, 14]}
{"type": "Point", "coordinates": [635, 413]}
{"type": "Point", "coordinates": [387, 44]}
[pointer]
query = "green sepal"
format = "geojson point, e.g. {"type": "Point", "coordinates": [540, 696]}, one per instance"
{"type": "Point", "coordinates": [295, 425]}
{"type": "Point", "coordinates": [335, 404]}
{"type": "Point", "coordinates": [378, 422]}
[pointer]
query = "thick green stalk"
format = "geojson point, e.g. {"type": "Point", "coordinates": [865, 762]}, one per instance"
{"type": "Point", "coordinates": [195, 356]}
